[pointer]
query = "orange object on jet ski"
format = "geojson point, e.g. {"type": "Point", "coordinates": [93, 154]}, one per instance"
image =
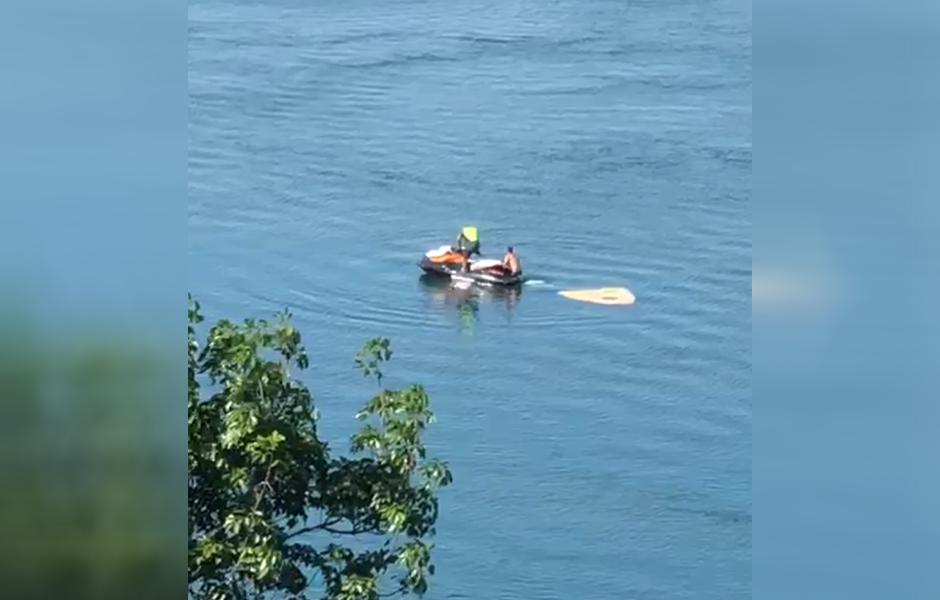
{"type": "Point", "coordinates": [444, 256]}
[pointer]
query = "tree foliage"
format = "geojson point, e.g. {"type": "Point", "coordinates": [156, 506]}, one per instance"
{"type": "Point", "coordinates": [272, 511]}
{"type": "Point", "coordinates": [90, 469]}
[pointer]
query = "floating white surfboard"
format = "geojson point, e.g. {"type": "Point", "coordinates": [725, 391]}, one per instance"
{"type": "Point", "coordinates": [621, 296]}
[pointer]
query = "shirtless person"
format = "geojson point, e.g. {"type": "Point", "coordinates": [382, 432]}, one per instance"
{"type": "Point", "coordinates": [511, 261]}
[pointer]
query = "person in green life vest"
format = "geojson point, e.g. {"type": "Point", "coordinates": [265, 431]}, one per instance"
{"type": "Point", "coordinates": [468, 244]}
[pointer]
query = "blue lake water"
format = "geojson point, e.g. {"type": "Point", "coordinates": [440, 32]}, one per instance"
{"type": "Point", "coordinates": [598, 452]}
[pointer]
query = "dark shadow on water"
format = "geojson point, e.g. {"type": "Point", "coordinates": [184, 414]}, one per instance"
{"type": "Point", "coordinates": [466, 302]}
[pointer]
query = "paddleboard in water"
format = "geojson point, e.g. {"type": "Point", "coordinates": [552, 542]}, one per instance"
{"type": "Point", "coordinates": [621, 296]}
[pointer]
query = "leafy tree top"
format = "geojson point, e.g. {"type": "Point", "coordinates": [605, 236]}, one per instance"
{"type": "Point", "coordinates": [272, 511]}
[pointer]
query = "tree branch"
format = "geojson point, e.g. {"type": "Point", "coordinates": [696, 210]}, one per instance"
{"type": "Point", "coordinates": [263, 486]}
{"type": "Point", "coordinates": [326, 526]}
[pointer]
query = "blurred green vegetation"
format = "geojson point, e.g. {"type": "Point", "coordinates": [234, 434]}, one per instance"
{"type": "Point", "coordinates": [90, 499]}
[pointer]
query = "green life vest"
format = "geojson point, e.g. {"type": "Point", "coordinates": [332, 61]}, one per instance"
{"type": "Point", "coordinates": [470, 233]}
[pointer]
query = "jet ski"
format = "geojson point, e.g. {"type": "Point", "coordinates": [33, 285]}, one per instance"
{"type": "Point", "coordinates": [447, 262]}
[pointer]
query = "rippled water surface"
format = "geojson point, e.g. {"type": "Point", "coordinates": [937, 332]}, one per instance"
{"type": "Point", "coordinates": [599, 452]}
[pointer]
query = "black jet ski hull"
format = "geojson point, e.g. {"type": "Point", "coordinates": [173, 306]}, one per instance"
{"type": "Point", "coordinates": [456, 272]}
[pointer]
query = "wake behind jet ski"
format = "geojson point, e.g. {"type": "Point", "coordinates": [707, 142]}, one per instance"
{"type": "Point", "coordinates": [456, 263]}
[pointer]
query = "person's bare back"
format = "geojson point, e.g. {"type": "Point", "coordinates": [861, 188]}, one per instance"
{"type": "Point", "coordinates": [511, 261]}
